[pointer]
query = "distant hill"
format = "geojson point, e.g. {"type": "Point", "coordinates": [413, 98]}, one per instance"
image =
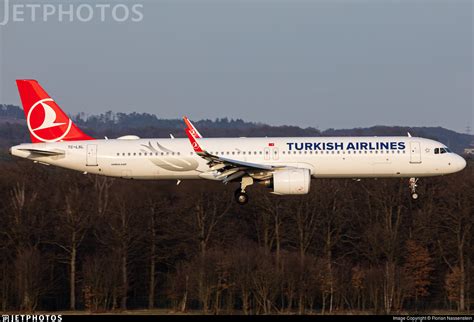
{"type": "Point", "coordinates": [13, 128]}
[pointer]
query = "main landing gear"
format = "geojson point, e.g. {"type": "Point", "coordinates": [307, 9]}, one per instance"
{"type": "Point", "coordinates": [240, 195]}
{"type": "Point", "coordinates": [412, 183]}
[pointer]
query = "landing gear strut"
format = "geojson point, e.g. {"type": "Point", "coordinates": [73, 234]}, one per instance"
{"type": "Point", "coordinates": [412, 183]}
{"type": "Point", "coordinates": [240, 196]}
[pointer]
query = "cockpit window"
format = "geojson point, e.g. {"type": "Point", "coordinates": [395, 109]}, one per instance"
{"type": "Point", "coordinates": [441, 150]}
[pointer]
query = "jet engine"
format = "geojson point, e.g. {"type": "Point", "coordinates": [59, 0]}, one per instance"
{"type": "Point", "coordinates": [291, 181]}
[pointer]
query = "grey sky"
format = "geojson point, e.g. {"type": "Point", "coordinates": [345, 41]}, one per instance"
{"type": "Point", "coordinates": [309, 63]}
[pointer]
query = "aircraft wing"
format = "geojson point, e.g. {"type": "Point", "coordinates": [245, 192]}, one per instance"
{"type": "Point", "coordinates": [229, 169]}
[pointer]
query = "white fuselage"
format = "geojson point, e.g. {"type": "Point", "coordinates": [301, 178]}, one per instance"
{"type": "Point", "coordinates": [325, 157]}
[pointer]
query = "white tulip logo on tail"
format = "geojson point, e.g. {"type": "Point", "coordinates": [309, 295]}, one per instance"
{"type": "Point", "coordinates": [57, 130]}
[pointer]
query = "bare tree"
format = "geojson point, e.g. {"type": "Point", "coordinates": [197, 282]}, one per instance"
{"type": "Point", "coordinates": [208, 210]}
{"type": "Point", "coordinates": [120, 236]}
{"type": "Point", "coordinates": [102, 186]}
{"type": "Point", "coordinates": [70, 229]}
{"type": "Point", "coordinates": [454, 222]}
{"type": "Point", "coordinates": [28, 271]}
{"type": "Point", "coordinates": [266, 279]}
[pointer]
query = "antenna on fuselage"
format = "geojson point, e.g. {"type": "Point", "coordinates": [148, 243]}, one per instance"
{"type": "Point", "coordinates": [409, 135]}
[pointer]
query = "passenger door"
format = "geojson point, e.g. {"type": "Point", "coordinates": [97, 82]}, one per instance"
{"type": "Point", "coordinates": [415, 153]}
{"type": "Point", "coordinates": [91, 157]}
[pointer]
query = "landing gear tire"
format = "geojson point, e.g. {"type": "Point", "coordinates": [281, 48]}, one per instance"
{"type": "Point", "coordinates": [241, 197]}
{"type": "Point", "coordinates": [413, 184]}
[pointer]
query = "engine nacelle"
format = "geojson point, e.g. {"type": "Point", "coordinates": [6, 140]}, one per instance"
{"type": "Point", "coordinates": [291, 181]}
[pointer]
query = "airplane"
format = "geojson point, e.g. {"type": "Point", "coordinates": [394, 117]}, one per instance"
{"type": "Point", "coordinates": [285, 165]}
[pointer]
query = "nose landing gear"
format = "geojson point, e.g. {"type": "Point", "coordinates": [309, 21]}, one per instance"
{"type": "Point", "coordinates": [413, 184]}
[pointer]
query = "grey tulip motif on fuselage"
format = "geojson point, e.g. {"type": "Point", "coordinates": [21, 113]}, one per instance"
{"type": "Point", "coordinates": [168, 159]}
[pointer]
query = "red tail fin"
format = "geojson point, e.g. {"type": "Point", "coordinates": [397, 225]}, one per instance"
{"type": "Point", "coordinates": [46, 121]}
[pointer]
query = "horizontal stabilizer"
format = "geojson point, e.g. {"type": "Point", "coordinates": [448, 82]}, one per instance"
{"type": "Point", "coordinates": [43, 152]}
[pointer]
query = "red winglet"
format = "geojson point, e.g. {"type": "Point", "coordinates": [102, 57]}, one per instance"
{"type": "Point", "coordinates": [194, 143]}
{"type": "Point", "coordinates": [194, 132]}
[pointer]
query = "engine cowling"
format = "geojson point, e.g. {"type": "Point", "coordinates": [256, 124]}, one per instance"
{"type": "Point", "coordinates": [291, 181]}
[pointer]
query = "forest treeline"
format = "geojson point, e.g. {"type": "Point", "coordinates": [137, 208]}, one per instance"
{"type": "Point", "coordinates": [85, 242]}
{"type": "Point", "coordinates": [13, 129]}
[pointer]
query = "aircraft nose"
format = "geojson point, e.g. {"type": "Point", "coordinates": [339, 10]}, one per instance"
{"type": "Point", "coordinates": [460, 162]}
